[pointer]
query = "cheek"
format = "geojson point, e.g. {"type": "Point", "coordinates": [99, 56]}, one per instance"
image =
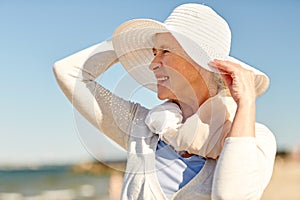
{"type": "Point", "coordinates": [184, 74]}
{"type": "Point", "coordinates": [191, 73]}
{"type": "Point", "coordinates": [181, 70]}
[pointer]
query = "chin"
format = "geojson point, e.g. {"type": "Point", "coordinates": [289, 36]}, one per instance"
{"type": "Point", "coordinates": [161, 96]}
{"type": "Point", "coordinates": [164, 94]}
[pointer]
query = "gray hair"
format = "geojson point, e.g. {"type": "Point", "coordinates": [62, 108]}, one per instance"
{"type": "Point", "coordinates": [221, 85]}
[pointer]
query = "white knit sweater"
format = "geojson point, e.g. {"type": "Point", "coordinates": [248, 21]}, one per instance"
{"type": "Point", "coordinates": [242, 171]}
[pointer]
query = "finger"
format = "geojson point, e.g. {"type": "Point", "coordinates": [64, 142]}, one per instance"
{"type": "Point", "coordinates": [227, 79]}
{"type": "Point", "coordinates": [226, 66]}
{"type": "Point", "coordinates": [217, 67]}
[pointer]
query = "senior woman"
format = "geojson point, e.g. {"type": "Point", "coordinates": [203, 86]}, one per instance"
{"type": "Point", "coordinates": [203, 142]}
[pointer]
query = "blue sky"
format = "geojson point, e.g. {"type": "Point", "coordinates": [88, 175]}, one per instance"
{"type": "Point", "coordinates": [39, 125]}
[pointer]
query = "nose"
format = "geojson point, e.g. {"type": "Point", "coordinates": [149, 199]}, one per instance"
{"type": "Point", "coordinates": [156, 63]}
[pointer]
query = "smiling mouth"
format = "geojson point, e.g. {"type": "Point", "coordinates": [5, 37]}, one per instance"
{"type": "Point", "coordinates": [162, 78]}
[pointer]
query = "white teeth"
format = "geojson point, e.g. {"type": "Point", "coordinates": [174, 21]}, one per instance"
{"type": "Point", "coordinates": [163, 78]}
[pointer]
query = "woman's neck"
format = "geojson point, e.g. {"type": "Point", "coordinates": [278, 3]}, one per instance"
{"type": "Point", "coordinates": [188, 108]}
{"type": "Point", "coordinates": [190, 102]}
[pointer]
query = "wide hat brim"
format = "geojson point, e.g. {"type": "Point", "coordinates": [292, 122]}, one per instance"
{"type": "Point", "coordinates": [133, 44]}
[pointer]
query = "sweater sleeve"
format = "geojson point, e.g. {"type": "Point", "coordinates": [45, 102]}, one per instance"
{"type": "Point", "coordinates": [76, 76]}
{"type": "Point", "coordinates": [245, 166]}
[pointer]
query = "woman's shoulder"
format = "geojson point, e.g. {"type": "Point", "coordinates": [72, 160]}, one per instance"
{"type": "Point", "coordinates": [265, 139]}
{"type": "Point", "coordinates": [261, 128]}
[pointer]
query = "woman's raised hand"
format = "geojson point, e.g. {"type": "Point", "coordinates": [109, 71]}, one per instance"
{"type": "Point", "coordinates": [240, 81]}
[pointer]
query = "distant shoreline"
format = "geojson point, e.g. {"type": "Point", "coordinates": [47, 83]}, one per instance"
{"type": "Point", "coordinates": [94, 166]}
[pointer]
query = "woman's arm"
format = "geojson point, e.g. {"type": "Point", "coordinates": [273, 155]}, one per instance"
{"type": "Point", "coordinates": [245, 165]}
{"type": "Point", "coordinates": [76, 76]}
{"type": "Point", "coordinates": [241, 83]}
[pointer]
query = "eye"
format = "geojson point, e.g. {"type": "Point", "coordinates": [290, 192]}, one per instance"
{"type": "Point", "coordinates": [166, 51]}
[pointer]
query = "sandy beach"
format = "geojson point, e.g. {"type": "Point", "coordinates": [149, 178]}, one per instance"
{"type": "Point", "coordinates": [285, 182]}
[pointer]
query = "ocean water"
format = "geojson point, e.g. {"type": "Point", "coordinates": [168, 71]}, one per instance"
{"type": "Point", "coordinates": [58, 182]}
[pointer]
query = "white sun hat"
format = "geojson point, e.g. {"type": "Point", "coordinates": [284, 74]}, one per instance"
{"type": "Point", "coordinates": [202, 33]}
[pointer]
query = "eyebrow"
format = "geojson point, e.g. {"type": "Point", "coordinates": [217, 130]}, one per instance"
{"type": "Point", "coordinates": [164, 47]}
{"type": "Point", "coordinates": [160, 47]}
{"type": "Point", "coordinates": [154, 49]}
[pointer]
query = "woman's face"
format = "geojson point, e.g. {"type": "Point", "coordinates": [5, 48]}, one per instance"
{"type": "Point", "coordinates": [177, 76]}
